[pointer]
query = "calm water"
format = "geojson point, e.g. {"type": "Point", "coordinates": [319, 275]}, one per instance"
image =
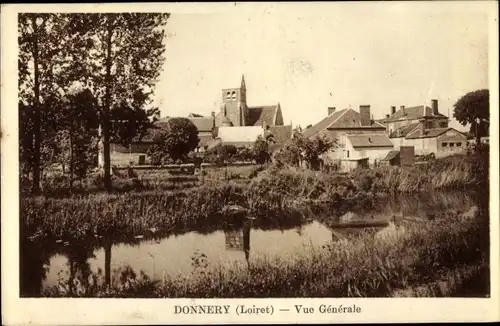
{"type": "Point", "coordinates": [171, 256]}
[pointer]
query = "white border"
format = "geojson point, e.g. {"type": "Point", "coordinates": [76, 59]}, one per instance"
{"type": "Point", "coordinates": [160, 311]}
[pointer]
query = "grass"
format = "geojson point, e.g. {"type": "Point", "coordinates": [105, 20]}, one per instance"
{"type": "Point", "coordinates": [272, 192]}
{"type": "Point", "coordinates": [444, 257]}
{"type": "Point", "coordinates": [440, 258]}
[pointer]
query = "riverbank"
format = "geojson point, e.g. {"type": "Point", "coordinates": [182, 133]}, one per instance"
{"type": "Point", "coordinates": [445, 257]}
{"type": "Point", "coordinates": [272, 192]}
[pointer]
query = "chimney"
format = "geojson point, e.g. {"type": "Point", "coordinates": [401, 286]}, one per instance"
{"type": "Point", "coordinates": [402, 107]}
{"type": "Point", "coordinates": [213, 114]}
{"type": "Point", "coordinates": [331, 110]}
{"type": "Point", "coordinates": [393, 110]}
{"type": "Point", "coordinates": [364, 112]}
{"type": "Point", "coordinates": [387, 116]}
{"type": "Point", "coordinates": [435, 110]}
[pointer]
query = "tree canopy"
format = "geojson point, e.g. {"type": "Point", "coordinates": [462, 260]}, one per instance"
{"type": "Point", "coordinates": [175, 140]}
{"type": "Point", "coordinates": [116, 57]}
{"type": "Point", "coordinates": [474, 108]}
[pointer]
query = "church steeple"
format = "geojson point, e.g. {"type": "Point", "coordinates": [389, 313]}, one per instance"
{"type": "Point", "coordinates": [243, 85]}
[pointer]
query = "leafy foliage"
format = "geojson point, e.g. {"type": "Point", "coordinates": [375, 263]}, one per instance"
{"type": "Point", "coordinates": [303, 149]}
{"type": "Point", "coordinates": [261, 150]}
{"type": "Point", "coordinates": [116, 57]}
{"type": "Point", "coordinates": [474, 108]}
{"type": "Point", "coordinates": [221, 154]}
{"type": "Point", "coordinates": [176, 140]}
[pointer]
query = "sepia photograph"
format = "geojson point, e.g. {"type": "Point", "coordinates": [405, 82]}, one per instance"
{"type": "Point", "coordinates": [333, 150]}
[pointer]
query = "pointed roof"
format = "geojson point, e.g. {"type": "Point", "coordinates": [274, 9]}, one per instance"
{"type": "Point", "coordinates": [243, 85]}
{"type": "Point", "coordinates": [257, 115]}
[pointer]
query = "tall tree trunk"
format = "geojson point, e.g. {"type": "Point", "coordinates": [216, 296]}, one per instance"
{"type": "Point", "coordinates": [71, 163]}
{"type": "Point", "coordinates": [36, 132]}
{"type": "Point", "coordinates": [106, 108]}
{"type": "Point", "coordinates": [478, 134]}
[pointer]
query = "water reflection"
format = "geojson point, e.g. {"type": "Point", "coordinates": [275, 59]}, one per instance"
{"type": "Point", "coordinates": [172, 255]}
{"type": "Point", "coordinates": [239, 240]}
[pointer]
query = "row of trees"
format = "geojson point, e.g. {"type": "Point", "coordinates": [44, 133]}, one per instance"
{"type": "Point", "coordinates": [79, 72]}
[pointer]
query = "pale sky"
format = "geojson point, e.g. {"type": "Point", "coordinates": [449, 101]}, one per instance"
{"type": "Point", "coordinates": [310, 57]}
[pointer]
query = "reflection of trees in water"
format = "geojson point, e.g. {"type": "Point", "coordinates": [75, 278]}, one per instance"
{"type": "Point", "coordinates": [33, 259]}
{"type": "Point", "coordinates": [78, 254]}
{"type": "Point", "coordinates": [426, 205]}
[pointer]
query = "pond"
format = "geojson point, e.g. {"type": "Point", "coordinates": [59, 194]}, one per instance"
{"type": "Point", "coordinates": [174, 255]}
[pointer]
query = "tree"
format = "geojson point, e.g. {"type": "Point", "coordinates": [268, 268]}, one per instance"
{"type": "Point", "coordinates": [221, 154]}
{"type": "Point", "coordinates": [261, 150]}
{"type": "Point", "coordinates": [131, 120]}
{"type": "Point", "coordinates": [175, 140]}
{"type": "Point", "coordinates": [80, 122]}
{"type": "Point", "coordinates": [117, 56]}
{"type": "Point", "coordinates": [474, 108]}
{"type": "Point", "coordinates": [303, 149]}
{"type": "Point", "coordinates": [41, 38]}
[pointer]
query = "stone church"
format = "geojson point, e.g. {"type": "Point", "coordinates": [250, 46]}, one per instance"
{"type": "Point", "coordinates": [236, 123]}
{"type": "Point", "coordinates": [239, 124]}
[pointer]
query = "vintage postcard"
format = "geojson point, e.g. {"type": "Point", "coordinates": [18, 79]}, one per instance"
{"type": "Point", "coordinates": [249, 163]}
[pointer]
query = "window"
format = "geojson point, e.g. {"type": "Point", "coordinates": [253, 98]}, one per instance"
{"type": "Point", "coordinates": [233, 96]}
{"type": "Point", "coordinates": [428, 125]}
{"type": "Point", "coordinates": [228, 96]}
{"type": "Point", "coordinates": [347, 154]}
{"type": "Point", "coordinates": [452, 144]}
{"type": "Point", "coordinates": [445, 144]}
{"type": "Point", "coordinates": [443, 124]}
{"type": "Point", "coordinates": [459, 144]}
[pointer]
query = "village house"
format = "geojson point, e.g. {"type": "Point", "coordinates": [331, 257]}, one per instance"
{"type": "Point", "coordinates": [424, 128]}
{"type": "Point", "coordinates": [360, 140]}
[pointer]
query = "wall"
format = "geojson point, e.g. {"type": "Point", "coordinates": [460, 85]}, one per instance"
{"type": "Point", "coordinates": [423, 146]}
{"type": "Point", "coordinates": [374, 154]}
{"type": "Point", "coordinates": [451, 137]}
{"type": "Point", "coordinates": [398, 142]}
{"type": "Point", "coordinates": [133, 148]}
{"type": "Point", "coordinates": [233, 105]}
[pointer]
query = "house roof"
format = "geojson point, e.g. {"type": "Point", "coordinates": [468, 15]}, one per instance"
{"type": "Point", "coordinates": [403, 131]}
{"type": "Point", "coordinates": [240, 134]}
{"type": "Point", "coordinates": [203, 123]}
{"type": "Point", "coordinates": [429, 133]}
{"type": "Point", "coordinates": [413, 113]}
{"type": "Point", "coordinates": [366, 140]}
{"type": "Point", "coordinates": [195, 115]}
{"type": "Point", "coordinates": [257, 115]}
{"type": "Point", "coordinates": [280, 133]}
{"type": "Point", "coordinates": [323, 124]}
{"type": "Point", "coordinates": [391, 155]}
{"type": "Point", "coordinates": [342, 119]}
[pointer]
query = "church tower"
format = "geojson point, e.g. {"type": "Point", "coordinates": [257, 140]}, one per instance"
{"type": "Point", "coordinates": [234, 106]}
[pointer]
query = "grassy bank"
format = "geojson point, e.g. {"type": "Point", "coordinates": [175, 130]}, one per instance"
{"type": "Point", "coordinates": [439, 258]}
{"type": "Point", "coordinates": [273, 192]}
